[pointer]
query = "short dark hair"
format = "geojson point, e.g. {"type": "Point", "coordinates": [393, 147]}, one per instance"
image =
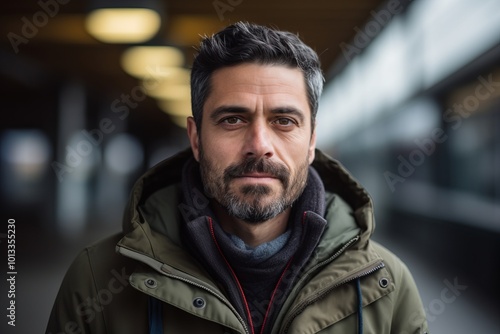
{"type": "Point", "coordinates": [244, 42]}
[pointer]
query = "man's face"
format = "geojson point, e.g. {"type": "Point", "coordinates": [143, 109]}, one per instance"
{"type": "Point", "coordinates": [256, 141]}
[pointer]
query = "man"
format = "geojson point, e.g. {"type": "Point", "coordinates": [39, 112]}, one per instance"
{"type": "Point", "coordinates": [252, 230]}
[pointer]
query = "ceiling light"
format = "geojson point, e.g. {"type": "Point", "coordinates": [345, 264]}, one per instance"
{"type": "Point", "coordinates": [123, 25]}
{"type": "Point", "coordinates": [152, 61]}
{"type": "Point", "coordinates": [170, 91]}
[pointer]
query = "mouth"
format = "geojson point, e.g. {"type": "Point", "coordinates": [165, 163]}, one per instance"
{"type": "Point", "coordinates": [258, 176]}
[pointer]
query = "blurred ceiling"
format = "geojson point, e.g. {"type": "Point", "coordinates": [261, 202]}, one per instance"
{"type": "Point", "coordinates": [62, 49]}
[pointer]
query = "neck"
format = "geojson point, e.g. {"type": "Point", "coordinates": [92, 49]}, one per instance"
{"type": "Point", "coordinates": [253, 234]}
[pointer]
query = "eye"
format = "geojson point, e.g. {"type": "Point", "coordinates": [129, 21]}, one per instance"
{"type": "Point", "coordinates": [232, 120]}
{"type": "Point", "coordinates": [283, 121]}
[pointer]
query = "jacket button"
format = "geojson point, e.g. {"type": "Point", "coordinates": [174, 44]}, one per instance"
{"type": "Point", "coordinates": [150, 283]}
{"type": "Point", "coordinates": [383, 282]}
{"type": "Point", "coordinates": [199, 302]}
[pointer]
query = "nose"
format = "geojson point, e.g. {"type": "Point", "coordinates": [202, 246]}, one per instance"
{"type": "Point", "coordinates": [258, 141]}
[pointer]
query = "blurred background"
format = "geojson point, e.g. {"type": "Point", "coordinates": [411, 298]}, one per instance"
{"type": "Point", "coordinates": [93, 93]}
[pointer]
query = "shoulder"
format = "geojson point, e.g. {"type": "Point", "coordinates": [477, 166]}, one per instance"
{"type": "Point", "coordinates": [102, 250]}
{"type": "Point", "coordinates": [97, 254]}
{"type": "Point", "coordinates": [97, 263]}
{"type": "Point", "coordinates": [398, 269]}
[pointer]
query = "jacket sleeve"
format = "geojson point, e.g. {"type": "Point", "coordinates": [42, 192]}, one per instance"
{"type": "Point", "coordinates": [76, 308]}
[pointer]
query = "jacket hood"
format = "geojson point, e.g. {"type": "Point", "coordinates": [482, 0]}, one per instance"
{"type": "Point", "coordinates": [335, 177]}
{"type": "Point", "coordinates": [339, 181]}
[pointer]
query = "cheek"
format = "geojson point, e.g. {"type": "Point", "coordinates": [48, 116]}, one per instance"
{"type": "Point", "coordinates": [222, 146]}
{"type": "Point", "coordinates": [299, 157]}
{"type": "Point", "coordinates": [300, 150]}
{"type": "Point", "coordinates": [215, 154]}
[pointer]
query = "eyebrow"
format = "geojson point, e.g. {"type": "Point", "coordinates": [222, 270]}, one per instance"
{"type": "Point", "coordinates": [287, 110]}
{"type": "Point", "coordinates": [222, 110]}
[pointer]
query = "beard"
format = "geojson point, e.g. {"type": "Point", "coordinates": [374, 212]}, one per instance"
{"type": "Point", "coordinates": [253, 203]}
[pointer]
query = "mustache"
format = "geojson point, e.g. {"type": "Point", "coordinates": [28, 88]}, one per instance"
{"type": "Point", "coordinates": [255, 165]}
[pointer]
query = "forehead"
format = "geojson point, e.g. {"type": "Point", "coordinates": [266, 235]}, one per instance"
{"type": "Point", "coordinates": [250, 80]}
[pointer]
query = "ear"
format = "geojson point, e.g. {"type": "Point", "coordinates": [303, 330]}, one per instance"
{"type": "Point", "coordinates": [193, 137]}
{"type": "Point", "coordinates": [312, 146]}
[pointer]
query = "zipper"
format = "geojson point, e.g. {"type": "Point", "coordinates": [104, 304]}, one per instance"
{"type": "Point", "coordinates": [159, 267]}
{"type": "Point", "coordinates": [331, 258]}
{"type": "Point", "coordinates": [364, 272]}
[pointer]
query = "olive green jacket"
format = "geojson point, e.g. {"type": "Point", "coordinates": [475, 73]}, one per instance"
{"type": "Point", "coordinates": [107, 288]}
